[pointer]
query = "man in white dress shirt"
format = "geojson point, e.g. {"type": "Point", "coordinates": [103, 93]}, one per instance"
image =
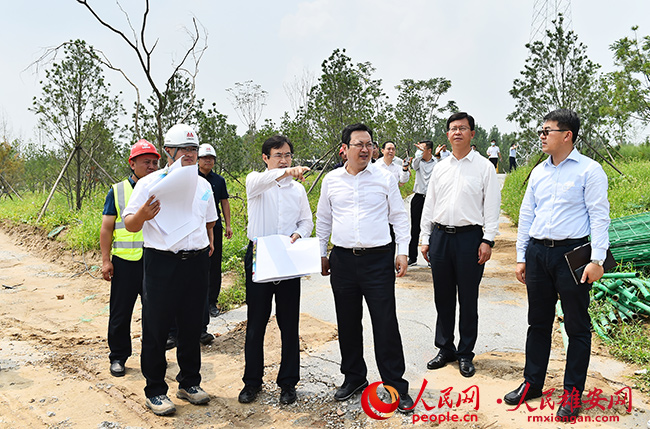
{"type": "Point", "coordinates": [357, 204]}
{"type": "Point", "coordinates": [276, 205]}
{"type": "Point", "coordinates": [394, 164]}
{"type": "Point", "coordinates": [175, 282]}
{"type": "Point", "coordinates": [459, 222]}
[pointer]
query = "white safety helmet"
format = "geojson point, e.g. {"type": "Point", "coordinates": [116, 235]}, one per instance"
{"type": "Point", "coordinates": [181, 135]}
{"type": "Point", "coordinates": [207, 150]}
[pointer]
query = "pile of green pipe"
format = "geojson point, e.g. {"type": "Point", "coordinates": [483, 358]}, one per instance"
{"type": "Point", "coordinates": [629, 238]}
{"type": "Point", "coordinates": [623, 296]}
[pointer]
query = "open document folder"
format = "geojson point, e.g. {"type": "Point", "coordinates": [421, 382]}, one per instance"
{"type": "Point", "coordinates": [275, 258]}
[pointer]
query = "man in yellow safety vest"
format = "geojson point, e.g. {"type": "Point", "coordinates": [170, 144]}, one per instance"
{"type": "Point", "coordinates": [122, 255]}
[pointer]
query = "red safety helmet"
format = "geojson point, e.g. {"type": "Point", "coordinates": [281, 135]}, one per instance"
{"type": "Point", "coordinates": [143, 147]}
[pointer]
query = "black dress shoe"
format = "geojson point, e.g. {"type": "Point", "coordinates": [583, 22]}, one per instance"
{"type": "Point", "coordinates": [117, 368]}
{"type": "Point", "coordinates": [206, 338]}
{"type": "Point", "coordinates": [466, 367]}
{"type": "Point", "coordinates": [439, 361]}
{"type": "Point", "coordinates": [248, 393]}
{"type": "Point", "coordinates": [214, 311]}
{"type": "Point", "coordinates": [515, 397]}
{"type": "Point", "coordinates": [569, 411]}
{"type": "Point", "coordinates": [288, 395]}
{"type": "Point", "coordinates": [171, 343]}
{"type": "Point", "coordinates": [405, 403]}
{"type": "Point", "coordinates": [346, 391]}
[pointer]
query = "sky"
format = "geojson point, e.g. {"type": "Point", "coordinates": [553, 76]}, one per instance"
{"type": "Point", "coordinates": [477, 44]}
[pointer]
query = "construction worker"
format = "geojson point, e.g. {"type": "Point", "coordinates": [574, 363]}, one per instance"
{"type": "Point", "coordinates": [122, 255]}
{"type": "Point", "coordinates": [176, 272]}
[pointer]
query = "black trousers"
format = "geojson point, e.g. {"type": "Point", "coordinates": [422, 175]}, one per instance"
{"type": "Point", "coordinates": [513, 163]}
{"type": "Point", "coordinates": [547, 276]}
{"type": "Point", "coordinates": [456, 275]}
{"type": "Point", "coordinates": [370, 276]}
{"type": "Point", "coordinates": [174, 289]}
{"type": "Point", "coordinates": [215, 265]}
{"type": "Point", "coordinates": [417, 204]}
{"type": "Point", "coordinates": [126, 285]}
{"type": "Point", "coordinates": [494, 161]}
{"type": "Point", "coordinates": [259, 297]}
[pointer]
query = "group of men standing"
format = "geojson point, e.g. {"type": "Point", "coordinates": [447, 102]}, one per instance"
{"type": "Point", "coordinates": [361, 213]}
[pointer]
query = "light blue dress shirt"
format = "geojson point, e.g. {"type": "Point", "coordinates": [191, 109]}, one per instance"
{"type": "Point", "coordinates": [566, 201]}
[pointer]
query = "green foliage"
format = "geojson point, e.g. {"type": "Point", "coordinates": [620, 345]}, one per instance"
{"type": "Point", "coordinates": [418, 107]}
{"type": "Point", "coordinates": [557, 74]}
{"type": "Point", "coordinates": [630, 84]}
{"type": "Point", "coordinates": [77, 111]}
{"type": "Point", "coordinates": [513, 192]}
{"type": "Point", "coordinates": [214, 129]}
{"type": "Point", "coordinates": [12, 166]}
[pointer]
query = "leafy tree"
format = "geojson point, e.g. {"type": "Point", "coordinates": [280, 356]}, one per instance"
{"type": "Point", "coordinates": [418, 109]}
{"type": "Point", "coordinates": [12, 167]}
{"type": "Point", "coordinates": [77, 112]}
{"type": "Point", "coordinates": [557, 74]}
{"type": "Point", "coordinates": [629, 86]}
{"type": "Point", "coordinates": [345, 94]}
{"type": "Point", "coordinates": [248, 100]}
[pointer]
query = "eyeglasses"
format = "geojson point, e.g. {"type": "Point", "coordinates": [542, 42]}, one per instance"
{"type": "Point", "coordinates": [287, 155]}
{"type": "Point", "coordinates": [461, 129]}
{"type": "Point", "coordinates": [360, 146]}
{"type": "Point", "coordinates": [189, 149]}
{"type": "Point", "coordinates": [546, 131]}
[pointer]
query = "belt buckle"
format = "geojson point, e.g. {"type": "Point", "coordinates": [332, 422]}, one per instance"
{"type": "Point", "coordinates": [548, 242]}
{"type": "Point", "coordinates": [184, 254]}
{"type": "Point", "coordinates": [450, 229]}
{"type": "Point", "coordinates": [357, 251]}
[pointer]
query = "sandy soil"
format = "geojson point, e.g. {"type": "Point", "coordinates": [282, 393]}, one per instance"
{"type": "Point", "coordinates": [54, 358]}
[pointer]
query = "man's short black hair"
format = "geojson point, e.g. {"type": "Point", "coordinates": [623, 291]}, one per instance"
{"type": "Point", "coordinates": [383, 146]}
{"type": "Point", "coordinates": [347, 132]}
{"type": "Point", "coordinates": [275, 142]}
{"type": "Point", "coordinates": [429, 143]}
{"type": "Point", "coordinates": [565, 118]}
{"type": "Point", "coordinates": [459, 116]}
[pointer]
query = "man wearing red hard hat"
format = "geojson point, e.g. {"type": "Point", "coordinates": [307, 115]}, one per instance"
{"type": "Point", "coordinates": [122, 255]}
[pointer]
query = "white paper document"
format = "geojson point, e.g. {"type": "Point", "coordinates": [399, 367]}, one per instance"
{"type": "Point", "coordinates": [175, 191]}
{"type": "Point", "coordinates": [276, 258]}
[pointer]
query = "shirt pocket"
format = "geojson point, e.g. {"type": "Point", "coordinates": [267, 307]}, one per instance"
{"type": "Point", "coordinates": [570, 192]}
{"type": "Point", "coordinates": [375, 196]}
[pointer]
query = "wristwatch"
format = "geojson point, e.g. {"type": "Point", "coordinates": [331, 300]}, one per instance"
{"type": "Point", "coordinates": [598, 262]}
{"type": "Point", "coordinates": [488, 242]}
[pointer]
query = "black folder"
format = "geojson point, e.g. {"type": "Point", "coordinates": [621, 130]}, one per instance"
{"type": "Point", "coordinates": [579, 257]}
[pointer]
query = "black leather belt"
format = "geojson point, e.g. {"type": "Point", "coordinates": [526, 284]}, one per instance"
{"type": "Point", "coordinates": [456, 229]}
{"type": "Point", "coordinates": [556, 243]}
{"type": "Point", "coordinates": [360, 251]}
{"type": "Point", "coordinates": [182, 254]}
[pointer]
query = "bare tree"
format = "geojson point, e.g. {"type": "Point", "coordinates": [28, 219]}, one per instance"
{"type": "Point", "coordinates": [298, 90]}
{"type": "Point", "coordinates": [248, 99]}
{"type": "Point", "coordinates": [188, 64]}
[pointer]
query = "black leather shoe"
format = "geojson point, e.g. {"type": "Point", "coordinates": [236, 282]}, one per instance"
{"type": "Point", "coordinates": [346, 391]}
{"type": "Point", "coordinates": [288, 395]}
{"type": "Point", "coordinates": [248, 393]}
{"type": "Point", "coordinates": [117, 368]}
{"type": "Point", "coordinates": [206, 338]}
{"type": "Point", "coordinates": [439, 361]}
{"type": "Point", "coordinates": [171, 343]}
{"type": "Point", "coordinates": [515, 397]}
{"type": "Point", "coordinates": [214, 311]}
{"type": "Point", "coordinates": [405, 403]}
{"type": "Point", "coordinates": [569, 411]}
{"type": "Point", "coordinates": [412, 262]}
{"type": "Point", "coordinates": [466, 367]}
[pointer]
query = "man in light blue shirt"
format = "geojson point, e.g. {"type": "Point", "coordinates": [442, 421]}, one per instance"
{"type": "Point", "coordinates": [565, 203]}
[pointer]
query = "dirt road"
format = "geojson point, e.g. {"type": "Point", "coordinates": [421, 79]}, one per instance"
{"type": "Point", "coordinates": [54, 359]}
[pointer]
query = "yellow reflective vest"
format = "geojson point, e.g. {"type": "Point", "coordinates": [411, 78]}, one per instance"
{"type": "Point", "coordinates": [126, 245]}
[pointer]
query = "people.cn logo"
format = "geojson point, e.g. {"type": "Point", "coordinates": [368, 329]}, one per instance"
{"type": "Point", "coordinates": [372, 405]}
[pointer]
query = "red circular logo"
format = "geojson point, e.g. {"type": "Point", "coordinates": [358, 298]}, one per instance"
{"type": "Point", "coordinates": [372, 405]}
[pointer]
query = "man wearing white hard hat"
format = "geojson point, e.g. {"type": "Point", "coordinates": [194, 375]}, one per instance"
{"type": "Point", "coordinates": [175, 271]}
{"type": "Point", "coordinates": [207, 159]}
{"type": "Point", "coordinates": [122, 255]}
